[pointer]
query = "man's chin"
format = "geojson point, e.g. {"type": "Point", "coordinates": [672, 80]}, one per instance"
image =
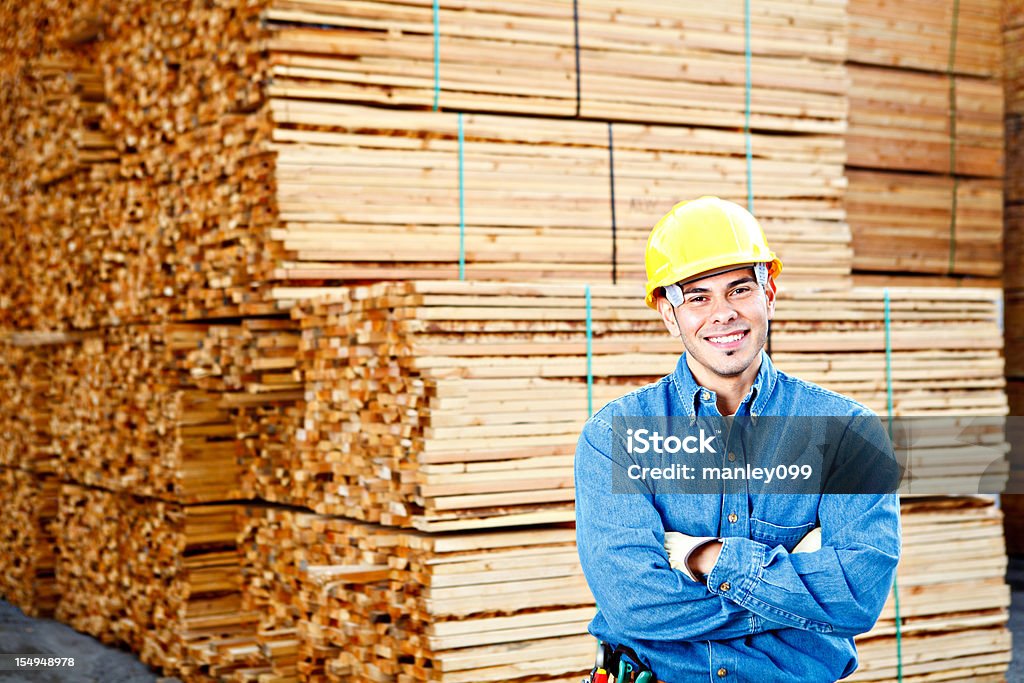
{"type": "Point", "coordinates": [733, 366]}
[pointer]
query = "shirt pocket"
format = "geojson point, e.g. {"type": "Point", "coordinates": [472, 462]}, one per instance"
{"type": "Point", "coordinates": [773, 535]}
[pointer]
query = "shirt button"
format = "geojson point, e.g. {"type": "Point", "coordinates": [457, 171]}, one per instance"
{"type": "Point", "coordinates": [723, 672]}
{"type": "Point", "coordinates": [732, 457]}
{"type": "Point", "coordinates": [705, 396]}
{"type": "Point", "coordinates": [724, 586]}
{"type": "Point", "coordinates": [733, 517]}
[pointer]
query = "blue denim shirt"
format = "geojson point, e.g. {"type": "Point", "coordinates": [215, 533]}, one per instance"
{"type": "Point", "coordinates": [766, 614]}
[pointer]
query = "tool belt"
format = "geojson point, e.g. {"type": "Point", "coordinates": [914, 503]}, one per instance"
{"type": "Point", "coordinates": [612, 665]}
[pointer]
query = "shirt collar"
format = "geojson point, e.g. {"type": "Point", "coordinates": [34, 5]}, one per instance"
{"type": "Point", "coordinates": [692, 394]}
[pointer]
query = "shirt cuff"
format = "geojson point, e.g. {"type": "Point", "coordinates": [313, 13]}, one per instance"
{"type": "Point", "coordinates": [738, 569]}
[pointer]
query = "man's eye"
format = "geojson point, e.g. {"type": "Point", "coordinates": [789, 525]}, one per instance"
{"type": "Point", "coordinates": [741, 290]}
{"type": "Point", "coordinates": [697, 299]}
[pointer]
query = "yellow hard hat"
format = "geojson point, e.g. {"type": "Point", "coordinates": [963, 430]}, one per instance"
{"type": "Point", "coordinates": [704, 235]}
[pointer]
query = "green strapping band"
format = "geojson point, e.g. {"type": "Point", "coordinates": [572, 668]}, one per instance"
{"type": "Point", "coordinates": [437, 53]}
{"type": "Point", "coordinates": [462, 201]}
{"type": "Point", "coordinates": [590, 354]}
{"type": "Point", "coordinates": [889, 409]}
{"type": "Point", "coordinates": [746, 113]}
{"type": "Point", "coordinates": [951, 72]}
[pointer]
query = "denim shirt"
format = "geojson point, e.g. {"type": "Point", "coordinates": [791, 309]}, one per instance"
{"type": "Point", "coordinates": [766, 614]}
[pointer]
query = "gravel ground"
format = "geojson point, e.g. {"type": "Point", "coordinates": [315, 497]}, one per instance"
{"type": "Point", "coordinates": [97, 663]}
{"type": "Point", "coordinates": [94, 662]}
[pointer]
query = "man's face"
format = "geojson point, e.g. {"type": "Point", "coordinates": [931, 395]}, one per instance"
{"type": "Point", "coordinates": [723, 320]}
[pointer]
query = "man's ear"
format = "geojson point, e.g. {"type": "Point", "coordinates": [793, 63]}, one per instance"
{"type": "Point", "coordinates": [667, 313]}
{"type": "Point", "coordinates": [769, 294]}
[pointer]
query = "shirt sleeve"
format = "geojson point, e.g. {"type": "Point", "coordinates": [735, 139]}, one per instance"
{"type": "Point", "coordinates": [839, 589]}
{"type": "Point", "coordinates": [620, 538]}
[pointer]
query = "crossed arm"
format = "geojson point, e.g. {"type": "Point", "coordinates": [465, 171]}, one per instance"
{"type": "Point", "coordinates": [751, 587]}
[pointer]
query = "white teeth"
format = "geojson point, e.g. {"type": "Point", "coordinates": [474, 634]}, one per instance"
{"type": "Point", "coordinates": [726, 340]}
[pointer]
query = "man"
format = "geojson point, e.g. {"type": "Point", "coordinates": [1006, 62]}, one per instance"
{"type": "Point", "coordinates": [736, 585]}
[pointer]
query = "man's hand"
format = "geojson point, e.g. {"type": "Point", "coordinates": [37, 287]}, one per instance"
{"type": "Point", "coordinates": [683, 550]}
{"type": "Point", "coordinates": [702, 560]}
{"type": "Point", "coordinates": [696, 556]}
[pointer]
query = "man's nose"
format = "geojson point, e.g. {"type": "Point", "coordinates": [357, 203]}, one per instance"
{"type": "Point", "coordinates": [722, 310]}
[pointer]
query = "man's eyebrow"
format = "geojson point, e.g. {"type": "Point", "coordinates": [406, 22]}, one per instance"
{"type": "Point", "coordinates": [734, 283]}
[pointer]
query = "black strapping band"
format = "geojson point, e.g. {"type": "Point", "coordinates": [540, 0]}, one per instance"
{"type": "Point", "coordinates": [611, 179]}
{"type": "Point", "coordinates": [576, 34]}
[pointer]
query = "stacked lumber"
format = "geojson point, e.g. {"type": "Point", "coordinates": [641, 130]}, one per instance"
{"type": "Point", "coordinates": [1014, 333]}
{"type": "Point", "coordinates": [370, 603]}
{"type": "Point", "coordinates": [131, 416]}
{"type": "Point", "coordinates": [916, 34]}
{"type": "Point", "coordinates": [1013, 61]}
{"type": "Point", "coordinates": [536, 195]}
{"type": "Point", "coordinates": [914, 212]}
{"type": "Point", "coordinates": [458, 405]}
{"type": "Point", "coordinates": [200, 176]}
{"type": "Point", "coordinates": [60, 186]}
{"type": "Point", "coordinates": [926, 97]}
{"type": "Point", "coordinates": [187, 408]}
{"type": "Point", "coordinates": [1014, 161]}
{"type": "Point", "coordinates": [29, 367]}
{"type": "Point", "coordinates": [161, 578]}
{"type": "Point", "coordinates": [901, 121]}
{"type": "Point", "coordinates": [27, 540]}
{"type": "Point", "coordinates": [374, 603]}
{"type": "Point", "coordinates": [1013, 277]}
{"type": "Point", "coordinates": [270, 559]}
{"type": "Point", "coordinates": [645, 61]}
{"type": "Point", "coordinates": [953, 598]}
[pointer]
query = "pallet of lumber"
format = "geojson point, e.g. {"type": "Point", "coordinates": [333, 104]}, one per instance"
{"type": "Point", "coordinates": [1013, 61]}
{"type": "Point", "coordinates": [953, 598]}
{"type": "Point", "coordinates": [902, 121]}
{"type": "Point", "coordinates": [372, 603]}
{"type": "Point", "coordinates": [645, 61]}
{"type": "Point", "coordinates": [368, 603]}
{"type": "Point", "coordinates": [190, 192]}
{"type": "Point", "coordinates": [1014, 181]}
{"type": "Point", "coordinates": [59, 178]}
{"type": "Point", "coordinates": [421, 404]}
{"type": "Point", "coordinates": [537, 199]}
{"type": "Point", "coordinates": [904, 223]}
{"type": "Point", "coordinates": [28, 544]}
{"type": "Point", "coordinates": [161, 578]}
{"type": "Point", "coordinates": [901, 280]}
{"type": "Point", "coordinates": [1014, 332]}
{"type": "Point", "coordinates": [1013, 253]}
{"type": "Point", "coordinates": [29, 369]}
{"type": "Point", "coordinates": [923, 34]}
{"type": "Point", "coordinates": [131, 416]}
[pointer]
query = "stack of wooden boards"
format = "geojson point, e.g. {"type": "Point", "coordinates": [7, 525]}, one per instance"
{"type": "Point", "coordinates": [359, 602]}
{"type": "Point", "coordinates": [528, 199]}
{"type": "Point", "coordinates": [643, 61]}
{"type": "Point", "coordinates": [28, 552]}
{"type": "Point", "coordinates": [204, 176]}
{"type": "Point", "coordinates": [162, 578]}
{"type": "Point", "coordinates": [167, 164]}
{"type": "Point", "coordinates": [447, 404]}
{"type": "Point", "coordinates": [1013, 277]}
{"type": "Point", "coordinates": [925, 141]}
{"type": "Point", "coordinates": [952, 614]}
{"type": "Point", "coordinates": [28, 464]}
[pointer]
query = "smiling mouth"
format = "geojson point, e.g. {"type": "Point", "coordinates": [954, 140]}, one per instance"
{"type": "Point", "coordinates": [728, 340]}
